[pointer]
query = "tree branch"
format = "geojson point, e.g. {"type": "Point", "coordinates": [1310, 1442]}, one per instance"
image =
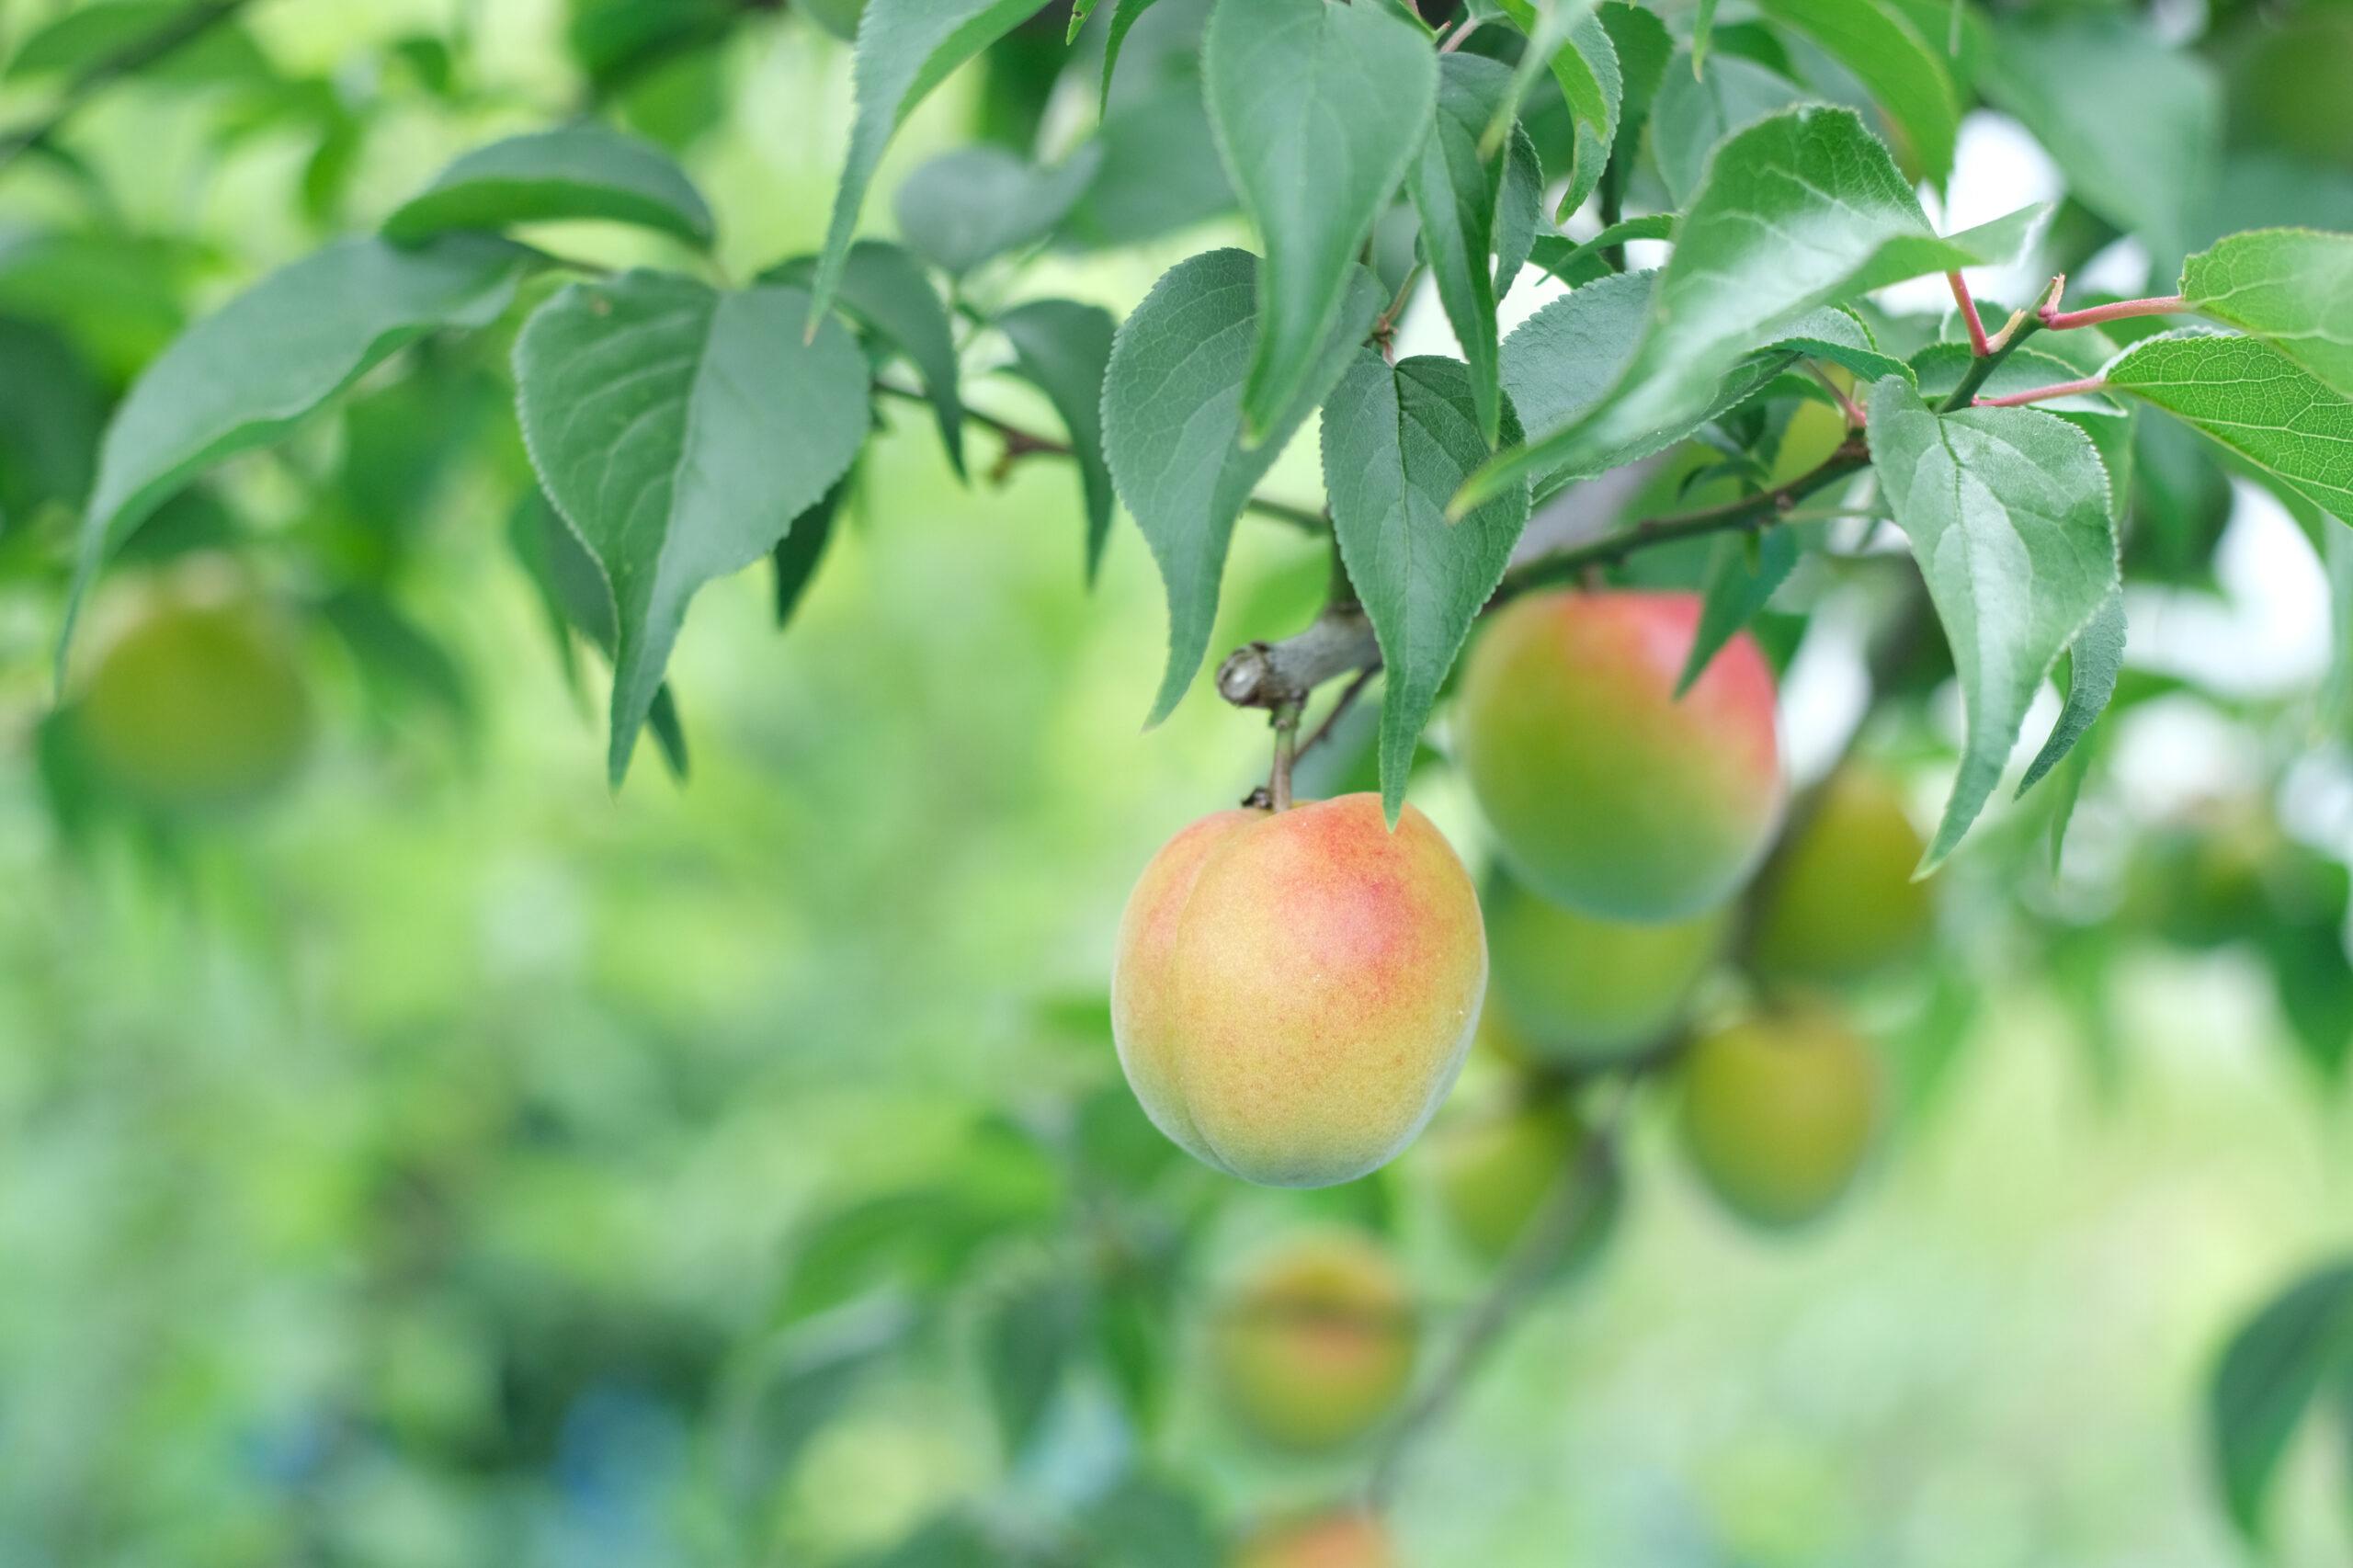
{"type": "Point", "coordinates": [2042, 394]}
{"type": "Point", "coordinates": [181, 29]}
{"type": "Point", "coordinates": [2021, 327]}
{"type": "Point", "coordinates": [2058, 320]}
{"type": "Point", "coordinates": [1021, 443]}
{"type": "Point", "coordinates": [1269, 674]}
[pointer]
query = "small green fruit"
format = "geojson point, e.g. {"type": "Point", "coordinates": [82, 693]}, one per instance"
{"type": "Point", "coordinates": [1841, 902]}
{"type": "Point", "coordinates": [1777, 1110]}
{"type": "Point", "coordinates": [1495, 1172]}
{"type": "Point", "coordinates": [1584, 991]}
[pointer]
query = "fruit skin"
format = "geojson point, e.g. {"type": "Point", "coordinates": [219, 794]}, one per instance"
{"type": "Point", "coordinates": [197, 706]}
{"type": "Point", "coordinates": [1587, 991]}
{"type": "Point", "coordinates": [1314, 1345]}
{"type": "Point", "coordinates": [1841, 902]}
{"type": "Point", "coordinates": [1336, 1540]}
{"type": "Point", "coordinates": [1495, 1171]}
{"type": "Point", "coordinates": [1777, 1110]}
{"type": "Point", "coordinates": [1606, 792]}
{"type": "Point", "coordinates": [1294, 992]}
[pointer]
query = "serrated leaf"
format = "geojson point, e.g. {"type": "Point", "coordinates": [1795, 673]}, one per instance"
{"type": "Point", "coordinates": [1125, 14]}
{"type": "Point", "coordinates": [1172, 428]}
{"type": "Point", "coordinates": [967, 206]}
{"type": "Point", "coordinates": [1738, 585]}
{"type": "Point", "coordinates": [884, 286]}
{"type": "Point", "coordinates": [1585, 64]}
{"type": "Point", "coordinates": [2095, 661]}
{"type": "Point", "coordinates": [796, 555]}
{"type": "Point", "coordinates": [906, 47]}
{"type": "Point", "coordinates": [1397, 443]}
{"type": "Point", "coordinates": [240, 379]}
{"type": "Point", "coordinates": [2254, 400]}
{"type": "Point", "coordinates": [1903, 75]}
{"type": "Point", "coordinates": [680, 431]}
{"type": "Point", "coordinates": [1797, 210]}
{"type": "Point", "coordinates": [2299, 1341]}
{"type": "Point", "coordinates": [1288, 83]}
{"type": "Point", "coordinates": [1694, 112]}
{"type": "Point", "coordinates": [2134, 126]}
{"type": "Point", "coordinates": [1519, 209]}
{"type": "Point", "coordinates": [1063, 349]}
{"type": "Point", "coordinates": [580, 170]}
{"type": "Point", "coordinates": [1839, 335]}
{"type": "Point", "coordinates": [2294, 288]}
{"type": "Point", "coordinates": [2008, 520]}
{"type": "Point", "coordinates": [1457, 192]}
{"type": "Point", "coordinates": [1559, 363]}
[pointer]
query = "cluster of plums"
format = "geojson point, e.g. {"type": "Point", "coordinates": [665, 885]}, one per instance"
{"type": "Point", "coordinates": [1294, 993]}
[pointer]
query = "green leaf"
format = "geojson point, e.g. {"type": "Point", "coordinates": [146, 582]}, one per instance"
{"type": "Point", "coordinates": [1519, 209]}
{"type": "Point", "coordinates": [1839, 335]}
{"type": "Point", "coordinates": [1124, 15]}
{"type": "Point", "coordinates": [1080, 10]}
{"type": "Point", "coordinates": [2274, 1365]}
{"type": "Point", "coordinates": [2254, 400]}
{"type": "Point", "coordinates": [2008, 520]}
{"type": "Point", "coordinates": [1904, 76]}
{"type": "Point", "coordinates": [2135, 127]}
{"type": "Point", "coordinates": [1145, 1524]}
{"type": "Point", "coordinates": [680, 431]}
{"type": "Point", "coordinates": [1288, 83]}
{"type": "Point", "coordinates": [1577, 264]}
{"type": "Point", "coordinates": [782, 1395]}
{"type": "Point", "coordinates": [1027, 1339]}
{"type": "Point", "coordinates": [1559, 363]}
{"type": "Point", "coordinates": [1703, 24]}
{"type": "Point", "coordinates": [1797, 210]}
{"type": "Point", "coordinates": [1063, 349]}
{"type": "Point", "coordinates": [1172, 428]}
{"type": "Point", "coordinates": [885, 287]}
{"type": "Point", "coordinates": [804, 545]}
{"type": "Point", "coordinates": [906, 47]}
{"type": "Point", "coordinates": [51, 415]}
{"type": "Point", "coordinates": [2294, 288]}
{"type": "Point", "coordinates": [580, 170]}
{"type": "Point", "coordinates": [1585, 64]}
{"type": "Point", "coordinates": [397, 657]}
{"type": "Point", "coordinates": [1694, 112]}
{"type": "Point", "coordinates": [966, 206]}
{"type": "Point", "coordinates": [1457, 193]}
{"type": "Point", "coordinates": [240, 379]}
{"type": "Point", "coordinates": [2094, 660]}
{"type": "Point", "coordinates": [1160, 171]}
{"type": "Point", "coordinates": [1397, 443]}
{"type": "Point", "coordinates": [1744, 573]}
{"type": "Point", "coordinates": [1644, 48]}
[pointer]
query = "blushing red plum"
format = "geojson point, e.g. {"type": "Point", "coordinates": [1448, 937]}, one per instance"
{"type": "Point", "coordinates": [1607, 792]}
{"type": "Point", "coordinates": [1294, 992]}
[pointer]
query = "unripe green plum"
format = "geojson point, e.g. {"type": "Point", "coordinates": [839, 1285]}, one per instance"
{"type": "Point", "coordinates": [1294, 992]}
{"type": "Point", "coordinates": [197, 706]}
{"type": "Point", "coordinates": [1348, 1539]}
{"type": "Point", "coordinates": [1840, 902]}
{"type": "Point", "coordinates": [1607, 792]}
{"type": "Point", "coordinates": [1313, 1347]}
{"type": "Point", "coordinates": [1582, 990]}
{"type": "Point", "coordinates": [1779, 1109]}
{"type": "Point", "coordinates": [1495, 1171]}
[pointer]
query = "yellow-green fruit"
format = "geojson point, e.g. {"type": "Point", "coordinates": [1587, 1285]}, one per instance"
{"type": "Point", "coordinates": [1607, 790]}
{"type": "Point", "coordinates": [1294, 992]}
{"type": "Point", "coordinates": [1777, 1111]}
{"type": "Point", "coordinates": [1350, 1540]}
{"type": "Point", "coordinates": [1495, 1172]}
{"type": "Point", "coordinates": [1585, 990]}
{"type": "Point", "coordinates": [1841, 902]}
{"type": "Point", "coordinates": [198, 706]}
{"type": "Point", "coordinates": [1314, 1346]}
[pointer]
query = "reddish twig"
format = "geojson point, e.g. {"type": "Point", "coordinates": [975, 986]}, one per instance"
{"type": "Point", "coordinates": [2042, 394]}
{"type": "Point", "coordinates": [1977, 344]}
{"type": "Point", "coordinates": [2060, 321]}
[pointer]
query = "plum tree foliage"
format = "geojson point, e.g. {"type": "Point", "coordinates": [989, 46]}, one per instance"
{"type": "Point", "coordinates": [1571, 557]}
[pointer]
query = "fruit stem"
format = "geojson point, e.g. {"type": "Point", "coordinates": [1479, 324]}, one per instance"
{"type": "Point", "coordinates": [1286, 752]}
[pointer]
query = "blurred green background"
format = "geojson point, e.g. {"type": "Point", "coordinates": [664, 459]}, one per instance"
{"type": "Point", "coordinates": [448, 1164]}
